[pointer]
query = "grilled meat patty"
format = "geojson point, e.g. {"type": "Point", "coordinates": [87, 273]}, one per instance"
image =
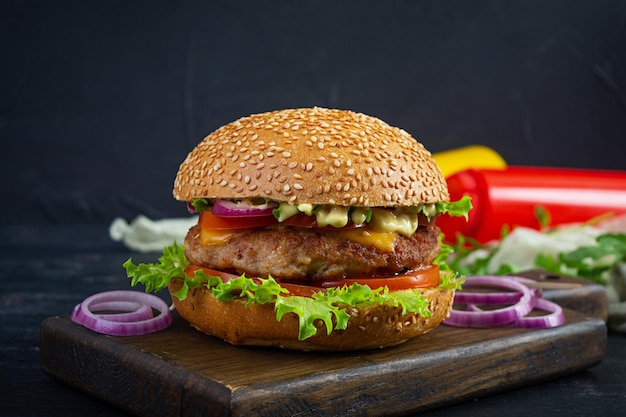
{"type": "Point", "coordinates": [306, 255]}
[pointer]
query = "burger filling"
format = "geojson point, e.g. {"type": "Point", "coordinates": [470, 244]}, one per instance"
{"type": "Point", "coordinates": [339, 242]}
{"type": "Point", "coordinates": [297, 249]}
{"type": "Point", "coordinates": [306, 254]}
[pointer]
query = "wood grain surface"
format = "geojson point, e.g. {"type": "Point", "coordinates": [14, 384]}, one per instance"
{"type": "Point", "coordinates": [181, 372]}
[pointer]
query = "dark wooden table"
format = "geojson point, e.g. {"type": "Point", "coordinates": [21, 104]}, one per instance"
{"type": "Point", "coordinates": [46, 271]}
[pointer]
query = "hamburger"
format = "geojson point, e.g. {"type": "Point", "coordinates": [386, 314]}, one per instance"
{"type": "Point", "coordinates": [316, 231]}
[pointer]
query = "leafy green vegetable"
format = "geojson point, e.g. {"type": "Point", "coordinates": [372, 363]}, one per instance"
{"type": "Point", "coordinates": [543, 216]}
{"type": "Point", "coordinates": [155, 277]}
{"type": "Point", "coordinates": [590, 262]}
{"type": "Point", "coordinates": [449, 278]}
{"type": "Point", "coordinates": [460, 208]}
{"type": "Point", "coordinates": [329, 307]}
{"type": "Point", "coordinates": [201, 204]}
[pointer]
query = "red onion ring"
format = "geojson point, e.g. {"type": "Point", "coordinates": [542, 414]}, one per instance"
{"type": "Point", "coordinates": [226, 208]}
{"type": "Point", "coordinates": [133, 323]}
{"type": "Point", "coordinates": [497, 317]}
{"type": "Point", "coordinates": [130, 311]}
{"type": "Point", "coordinates": [554, 319]}
{"type": "Point", "coordinates": [496, 297]}
{"type": "Point", "coordinates": [514, 315]}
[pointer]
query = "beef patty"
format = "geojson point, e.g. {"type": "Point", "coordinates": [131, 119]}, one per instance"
{"type": "Point", "coordinates": [305, 255]}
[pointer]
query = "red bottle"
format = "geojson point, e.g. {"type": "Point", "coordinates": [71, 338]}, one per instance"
{"type": "Point", "coordinates": [510, 197]}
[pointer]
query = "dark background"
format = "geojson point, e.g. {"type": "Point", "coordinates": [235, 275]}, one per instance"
{"type": "Point", "coordinates": [101, 101]}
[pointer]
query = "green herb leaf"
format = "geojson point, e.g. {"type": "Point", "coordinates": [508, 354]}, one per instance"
{"type": "Point", "coordinates": [201, 204]}
{"type": "Point", "coordinates": [543, 216]}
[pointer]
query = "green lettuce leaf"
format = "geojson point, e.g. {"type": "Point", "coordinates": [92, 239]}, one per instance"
{"type": "Point", "coordinates": [589, 262]}
{"type": "Point", "coordinates": [460, 208]}
{"type": "Point", "coordinates": [155, 277]}
{"type": "Point", "coordinates": [329, 307]}
{"type": "Point", "coordinates": [450, 279]}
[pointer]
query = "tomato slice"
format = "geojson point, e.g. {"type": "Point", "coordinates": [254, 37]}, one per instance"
{"type": "Point", "coordinates": [190, 270]}
{"type": "Point", "coordinates": [427, 277]}
{"type": "Point", "coordinates": [300, 290]}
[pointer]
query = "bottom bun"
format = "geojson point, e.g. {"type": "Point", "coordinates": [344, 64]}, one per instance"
{"type": "Point", "coordinates": [370, 327]}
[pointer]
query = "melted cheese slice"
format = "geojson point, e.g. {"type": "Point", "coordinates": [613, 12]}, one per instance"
{"type": "Point", "coordinates": [214, 237]}
{"type": "Point", "coordinates": [384, 241]}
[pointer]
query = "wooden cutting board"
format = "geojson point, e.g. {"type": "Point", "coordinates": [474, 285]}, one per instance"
{"type": "Point", "coordinates": [181, 372]}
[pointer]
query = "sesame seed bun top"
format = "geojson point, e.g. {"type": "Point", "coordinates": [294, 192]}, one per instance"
{"type": "Point", "coordinates": [315, 156]}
